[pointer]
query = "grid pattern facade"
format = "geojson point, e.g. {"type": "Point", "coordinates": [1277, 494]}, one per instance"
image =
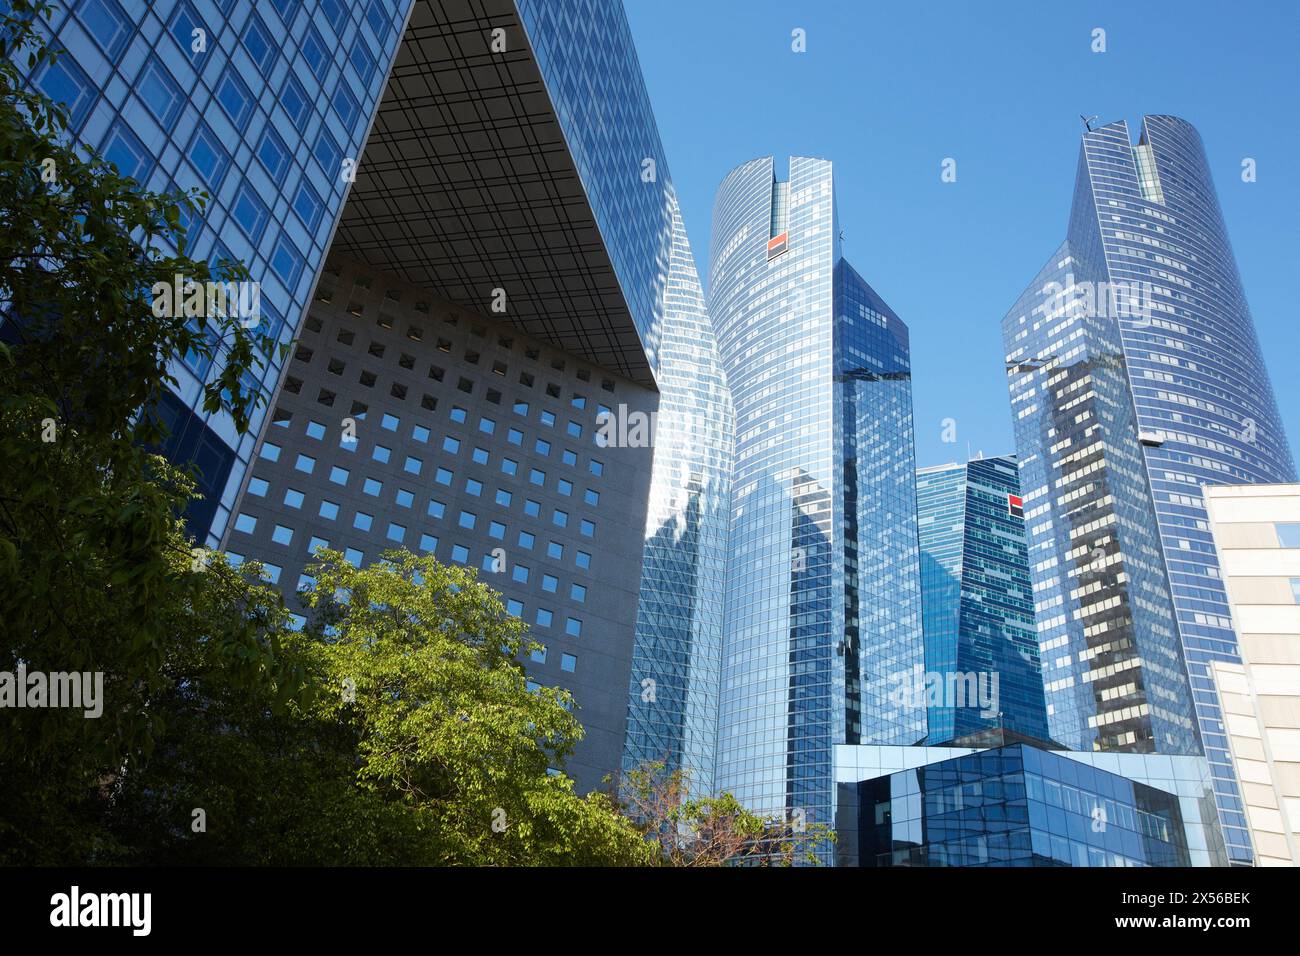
{"type": "Point", "coordinates": [475, 444]}
{"type": "Point", "coordinates": [1199, 381]}
{"type": "Point", "coordinates": [1014, 806]}
{"type": "Point", "coordinates": [257, 104]}
{"type": "Point", "coordinates": [1113, 666]}
{"type": "Point", "coordinates": [810, 430]}
{"type": "Point", "coordinates": [979, 608]}
{"type": "Point", "coordinates": [673, 698]}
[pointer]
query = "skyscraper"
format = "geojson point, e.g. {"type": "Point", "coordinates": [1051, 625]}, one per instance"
{"type": "Point", "coordinates": [823, 596]}
{"type": "Point", "coordinates": [263, 106]}
{"type": "Point", "coordinates": [1204, 403]}
{"type": "Point", "coordinates": [977, 600]}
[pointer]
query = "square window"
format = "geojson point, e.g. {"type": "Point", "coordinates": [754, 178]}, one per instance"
{"type": "Point", "coordinates": [459, 553]}
{"type": "Point", "coordinates": [520, 573]}
{"type": "Point", "coordinates": [362, 521]}
{"type": "Point", "coordinates": [509, 466]}
{"type": "Point", "coordinates": [1288, 535]}
{"type": "Point", "coordinates": [573, 627]}
{"type": "Point", "coordinates": [187, 28]}
{"type": "Point", "coordinates": [451, 445]}
{"type": "Point", "coordinates": [516, 608]}
{"type": "Point", "coordinates": [327, 153]}
{"type": "Point", "coordinates": [591, 497]}
{"type": "Point", "coordinates": [354, 557]}
{"type": "Point", "coordinates": [372, 487]}
{"type": "Point", "coordinates": [587, 528]}
{"type": "Point", "coordinates": [480, 456]}
{"type": "Point", "coordinates": [315, 53]}
{"type": "Point", "coordinates": [272, 572]}
{"type": "Point", "coordinates": [583, 560]}
{"type": "Point", "coordinates": [570, 458]}
{"type": "Point", "coordinates": [124, 150]}
{"type": "Point", "coordinates": [270, 451]}
{"type": "Point", "coordinates": [396, 532]}
{"type": "Point", "coordinates": [555, 550]}
{"type": "Point", "coordinates": [515, 436]}
{"type": "Point", "coordinates": [245, 523]}
{"type": "Point", "coordinates": [404, 498]}
{"type": "Point", "coordinates": [234, 96]}
{"type": "Point", "coordinates": [436, 508]}
{"type": "Point", "coordinates": [250, 213]}
{"type": "Point", "coordinates": [305, 463]}
{"type": "Point", "coordinates": [293, 498]}
{"type": "Point", "coordinates": [467, 520]}
{"type": "Point", "coordinates": [596, 467]}
{"type": "Point", "coordinates": [457, 414]}
{"type": "Point", "coordinates": [578, 593]}
{"type": "Point", "coordinates": [526, 540]}
{"type": "Point", "coordinates": [443, 477]}
{"type": "Point", "coordinates": [282, 534]}
{"type": "Point", "coordinates": [286, 261]}
{"type": "Point", "coordinates": [568, 663]}
{"type": "Point", "coordinates": [345, 104]}
{"type": "Point", "coordinates": [329, 510]}
{"type": "Point", "coordinates": [544, 617]}
{"type": "Point", "coordinates": [308, 206]}
{"type": "Point", "coordinates": [537, 477]}
{"type": "Point", "coordinates": [487, 425]}
{"type": "Point", "coordinates": [428, 543]}
{"type": "Point", "coordinates": [260, 45]}
{"type": "Point", "coordinates": [420, 433]}
{"type": "Point", "coordinates": [560, 518]}
{"type": "Point", "coordinates": [521, 408]}
{"type": "Point", "coordinates": [412, 465]}
{"type": "Point", "coordinates": [362, 60]}
{"type": "Point", "coordinates": [315, 430]}
{"type": "Point", "coordinates": [503, 498]}
{"type": "Point", "coordinates": [574, 429]}
{"type": "Point", "coordinates": [381, 453]}
{"type": "Point", "coordinates": [548, 418]}
{"type": "Point", "coordinates": [257, 486]}
{"type": "Point", "coordinates": [564, 487]}
{"type": "Point", "coordinates": [389, 422]}
{"type": "Point", "coordinates": [317, 544]}
{"type": "Point", "coordinates": [542, 447]}
{"type": "Point", "coordinates": [65, 82]}
{"type": "Point", "coordinates": [538, 654]}
{"type": "Point", "coordinates": [474, 487]}
{"type": "Point", "coordinates": [549, 583]}
{"type": "Point", "coordinates": [497, 530]}
{"type": "Point", "coordinates": [339, 475]}
{"type": "Point", "coordinates": [105, 21]}
{"type": "Point", "coordinates": [160, 92]}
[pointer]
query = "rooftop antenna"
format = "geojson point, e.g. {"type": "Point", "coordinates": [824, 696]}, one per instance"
{"type": "Point", "coordinates": [1087, 121]}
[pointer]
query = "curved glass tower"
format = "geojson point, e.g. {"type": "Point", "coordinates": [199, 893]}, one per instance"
{"type": "Point", "coordinates": [823, 594]}
{"type": "Point", "coordinates": [1204, 403]}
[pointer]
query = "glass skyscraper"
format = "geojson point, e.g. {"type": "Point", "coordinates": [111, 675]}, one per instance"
{"type": "Point", "coordinates": [823, 591]}
{"type": "Point", "coordinates": [1149, 214]}
{"type": "Point", "coordinates": [977, 600]}
{"type": "Point", "coordinates": [265, 106]}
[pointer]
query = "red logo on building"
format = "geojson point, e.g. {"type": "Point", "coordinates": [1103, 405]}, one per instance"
{"type": "Point", "coordinates": [777, 245]}
{"type": "Point", "coordinates": [1016, 506]}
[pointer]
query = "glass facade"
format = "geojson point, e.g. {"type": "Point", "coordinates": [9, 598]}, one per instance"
{"type": "Point", "coordinates": [673, 699]}
{"type": "Point", "coordinates": [259, 104]}
{"type": "Point", "coordinates": [978, 607]}
{"type": "Point", "coordinates": [1113, 667]}
{"type": "Point", "coordinates": [823, 595]}
{"type": "Point", "coordinates": [1011, 806]}
{"type": "Point", "coordinates": [1202, 394]}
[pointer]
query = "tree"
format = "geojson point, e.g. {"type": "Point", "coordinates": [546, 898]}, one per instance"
{"type": "Point", "coordinates": [96, 573]}
{"type": "Point", "coordinates": [688, 830]}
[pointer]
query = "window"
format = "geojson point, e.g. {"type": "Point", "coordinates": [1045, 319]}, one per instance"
{"type": "Point", "coordinates": [420, 433]}
{"type": "Point", "coordinates": [548, 418]}
{"type": "Point", "coordinates": [315, 53]}
{"type": "Point", "coordinates": [272, 572]}
{"type": "Point", "coordinates": [124, 150]}
{"type": "Point", "coordinates": [396, 532]}
{"type": "Point", "coordinates": [308, 206]}
{"type": "Point", "coordinates": [65, 82]}
{"type": "Point", "coordinates": [595, 467]}
{"type": "Point", "coordinates": [372, 487]}
{"type": "Point", "coordinates": [480, 456]}
{"type": "Point", "coordinates": [532, 508]}
{"type": "Point", "coordinates": [328, 154]}
{"type": "Point", "coordinates": [404, 498]}
{"type": "Point", "coordinates": [336, 13]}
{"type": "Point", "coordinates": [293, 497]}
{"type": "Point", "coordinates": [273, 155]}
{"type": "Point", "coordinates": [538, 654]}
{"type": "Point", "coordinates": [564, 487]}
{"type": "Point", "coordinates": [187, 29]}
{"type": "Point", "coordinates": [583, 560]}
{"type": "Point", "coordinates": [549, 583]}
{"type": "Point", "coordinates": [526, 540]}
{"type": "Point", "coordinates": [503, 498]}
{"type": "Point", "coordinates": [443, 477]}
{"type": "Point", "coordinates": [451, 445]}
{"type": "Point", "coordinates": [245, 523]}
{"type": "Point", "coordinates": [282, 534]}
{"type": "Point", "coordinates": [573, 627]}
{"type": "Point", "coordinates": [568, 663]}
{"type": "Point", "coordinates": [436, 508]}
{"type": "Point", "coordinates": [339, 475]}
{"type": "Point", "coordinates": [1288, 535]}
{"type": "Point", "coordinates": [294, 100]}
{"type": "Point", "coordinates": [570, 458]}
{"type": "Point", "coordinates": [515, 436]}
{"type": "Point", "coordinates": [257, 486]}
{"type": "Point", "coordinates": [587, 528]}
{"type": "Point", "coordinates": [536, 476]}
{"type": "Point", "coordinates": [520, 573]}
{"type": "Point", "coordinates": [458, 414]}
{"type": "Point", "coordinates": [412, 465]}
{"type": "Point", "coordinates": [555, 550]}
{"type": "Point", "coordinates": [160, 92]}
{"type": "Point", "coordinates": [259, 44]}
{"type": "Point", "coordinates": [317, 544]}
{"type": "Point", "coordinates": [521, 408]}
{"type": "Point", "coordinates": [354, 557]}
{"type": "Point", "coordinates": [473, 487]}
{"type": "Point", "coordinates": [487, 425]}
{"type": "Point", "coordinates": [509, 466]}
{"type": "Point", "coordinates": [1295, 590]}
{"type": "Point", "coordinates": [362, 521]}
{"type": "Point", "coordinates": [315, 430]}
{"type": "Point", "coordinates": [235, 98]}
{"type": "Point", "coordinates": [286, 261]}
{"type": "Point", "coordinates": [517, 609]}
{"type": "Point", "coordinates": [428, 543]}
{"type": "Point", "coordinates": [560, 518]}
{"type": "Point", "coordinates": [345, 104]}
{"type": "Point", "coordinates": [591, 497]}
{"type": "Point", "coordinates": [459, 553]}
{"type": "Point", "coordinates": [381, 453]}
{"type": "Point", "coordinates": [497, 530]}
{"type": "Point", "coordinates": [250, 213]}
{"type": "Point", "coordinates": [104, 20]}
{"type": "Point", "coordinates": [544, 617]}
{"type": "Point", "coordinates": [578, 593]}
{"type": "Point", "coordinates": [329, 510]}
{"type": "Point", "coordinates": [542, 447]}
{"type": "Point", "coordinates": [377, 19]}
{"type": "Point", "coordinates": [362, 60]}
{"type": "Point", "coordinates": [305, 464]}
{"type": "Point", "coordinates": [467, 520]}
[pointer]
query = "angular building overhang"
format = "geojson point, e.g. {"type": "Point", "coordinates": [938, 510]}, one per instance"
{"type": "Point", "coordinates": [467, 186]}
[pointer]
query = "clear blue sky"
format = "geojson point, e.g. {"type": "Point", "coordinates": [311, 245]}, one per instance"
{"type": "Point", "coordinates": [888, 90]}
